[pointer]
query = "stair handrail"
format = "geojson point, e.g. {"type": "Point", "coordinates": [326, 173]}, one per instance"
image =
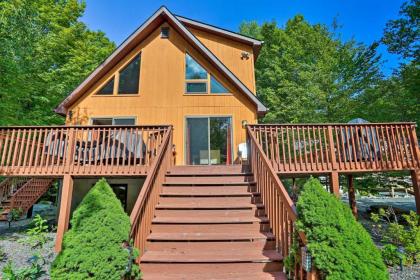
{"type": "Point", "coordinates": [143, 210]}
{"type": "Point", "coordinates": [6, 186]}
{"type": "Point", "coordinates": [16, 194]}
{"type": "Point", "coordinates": [278, 205]}
{"type": "Point", "coordinates": [30, 196]}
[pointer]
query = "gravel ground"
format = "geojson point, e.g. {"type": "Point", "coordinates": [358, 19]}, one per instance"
{"type": "Point", "coordinates": [408, 273]}
{"type": "Point", "coordinates": [19, 252]}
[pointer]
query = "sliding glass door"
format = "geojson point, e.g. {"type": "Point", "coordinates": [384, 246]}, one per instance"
{"type": "Point", "coordinates": [208, 140]}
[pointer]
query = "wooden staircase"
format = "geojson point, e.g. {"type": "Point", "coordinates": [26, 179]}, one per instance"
{"type": "Point", "coordinates": [21, 193]}
{"type": "Point", "coordinates": [210, 224]}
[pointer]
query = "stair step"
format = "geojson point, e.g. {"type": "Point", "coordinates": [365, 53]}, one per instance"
{"type": "Point", "coordinates": [209, 200]}
{"type": "Point", "coordinates": [211, 254]}
{"type": "Point", "coordinates": [5, 203]}
{"type": "Point", "coordinates": [214, 271]}
{"type": "Point", "coordinates": [200, 180]}
{"type": "Point", "coordinates": [207, 216]}
{"type": "Point", "coordinates": [210, 236]}
{"type": "Point", "coordinates": [236, 227]}
{"type": "Point", "coordinates": [206, 205]}
{"type": "Point", "coordinates": [208, 170]}
{"type": "Point", "coordinates": [206, 191]}
{"type": "Point", "coordinates": [206, 183]}
{"type": "Point", "coordinates": [256, 244]}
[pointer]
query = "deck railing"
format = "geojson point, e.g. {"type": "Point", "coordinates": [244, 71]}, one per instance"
{"type": "Point", "coordinates": [311, 148]}
{"type": "Point", "coordinates": [143, 210]}
{"type": "Point", "coordinates": [78, 150]}
{"type": "Point", "coordinates": [279, 207]}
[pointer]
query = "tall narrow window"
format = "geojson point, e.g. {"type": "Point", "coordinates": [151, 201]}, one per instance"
{"type": "Point", "coordinates": [216, 86]}
{"type": "Point", "coordinates": [195, 75]}
{"type": "Point", "coordinates": [129, 77]}
{"type": "Point", "coordinates": [107, 89]}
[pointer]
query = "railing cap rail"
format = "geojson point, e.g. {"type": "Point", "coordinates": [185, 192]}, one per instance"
{"type": "Point", "coordinates": [86, 126]}
{"type": "Point", "coordinates": [327, 124]}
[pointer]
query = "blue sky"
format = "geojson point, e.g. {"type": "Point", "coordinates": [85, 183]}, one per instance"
{"type": "Point", "coordinates": [362, 20]}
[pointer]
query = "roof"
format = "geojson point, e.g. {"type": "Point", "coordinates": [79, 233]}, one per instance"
{"type": "Point", "coordinates": [256, 44]}
{"type": "Point", "coordinates": [160, 16]}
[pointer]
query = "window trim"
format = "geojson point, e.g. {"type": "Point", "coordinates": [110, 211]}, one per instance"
{"type": "Point", "coordinates": [207, 80]}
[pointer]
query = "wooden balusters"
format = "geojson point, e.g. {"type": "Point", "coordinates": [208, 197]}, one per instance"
{"type": "Point", "coordinates": [296, 148]}
{"type": "Point", "coordinates": [143, 210]}
{"type": "Point", "coordinates": [279, 208]}
{"type": "Point", "coordinates": [78, 150]}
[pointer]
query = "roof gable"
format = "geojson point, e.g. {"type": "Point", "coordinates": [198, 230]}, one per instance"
{"type": "Point", "coordinates": [161, 15]}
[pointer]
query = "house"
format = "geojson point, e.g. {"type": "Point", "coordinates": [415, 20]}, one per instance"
{"type": "Point", "coordinates": [170, 119]}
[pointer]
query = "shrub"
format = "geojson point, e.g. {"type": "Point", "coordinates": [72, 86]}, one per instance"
{"type": "Point", "coordinates": [32, 272]}
{"type": "Point", "coordinates": [37, 234]}
{"type": "Point", "coordinates": [94, 247]}
{"type": "Point", "coordinates": [340, 246]}
{"type": "Point", "coordinates": [394, 235]}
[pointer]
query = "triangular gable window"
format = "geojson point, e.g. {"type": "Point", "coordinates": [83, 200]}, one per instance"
{"type": "Point", "coordinates": [107, 89]}
{"type": "Point", "coordinates": [129, 77]}
{"type": "Point", "coordinates": [216, 86]}
{"type": "Point", "coordinates": [198, 80]}
{"type": "Point", "coordinates": [194, 71]}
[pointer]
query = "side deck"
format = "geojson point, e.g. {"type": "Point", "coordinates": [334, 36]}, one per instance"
{"type": "Point", "coordinates": [55, 151]}
{"type": "Point", "coordinates": [303, 149]}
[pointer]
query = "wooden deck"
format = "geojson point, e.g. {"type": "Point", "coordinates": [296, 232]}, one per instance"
{"type": "Point", "coordinates": [346, 148]}
{"type": "Point", "coordinates": [78, 150]}
{"type": "Point", "coordinates": [236, 220]}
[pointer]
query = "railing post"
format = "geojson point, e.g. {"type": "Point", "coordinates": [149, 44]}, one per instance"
{"type": "Point", "coordinates": [334, 183]}
{"type": "Point", "coordinates": [332, 149]}
{"type": "Point", "coordinates": [415, 142]}
{"type": "Point", "coordinates": [415, 177]}
{"type": "Point", "coordinates": [69, 160]}
{"type": "Point", "coordinates": [65, 208]}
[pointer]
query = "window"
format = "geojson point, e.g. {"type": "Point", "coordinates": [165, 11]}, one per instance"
{"type": "Point", "coordinates": [124, 121]}
{"type": "Point", "coordinates": [216, 86]}
{"type": "Point", "coordinates": [114, 121]}
{"type": "Point", "coordinates": [198, 80]}
{"type": "Point", "coordinates": [108, 88]}
{"type": "Point", "coordinates": [195, 76]}
{"type": "Point", "coordinates": [194, 71]}
{"type": "Point", "coordinates": [164, 32]}
{"type": "Point", "coordinates": [129, 77]}
{"type": "Point", "coordinates": [128, 82]}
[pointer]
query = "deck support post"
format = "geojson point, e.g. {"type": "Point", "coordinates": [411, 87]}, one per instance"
{"type": "Point", "coordinates": [352, 195]}
{"type": "Point", "coordinates": [415, 177]}
{"type": "Point", "coordinates": [65, 207]}
{"type": "Point", "coordinates": [334, 184]}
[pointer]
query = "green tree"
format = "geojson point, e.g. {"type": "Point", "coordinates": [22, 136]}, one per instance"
{"type": "Point", "coordinates": [340, 246]}
{"type": "Point", "coordinates": [306, 73]}
{"type": "Point", "coordinates": [94, 246]}
{"type": "Point", "coordinates": [402, 36]}
{"type": "Point", "coordinates": [45, 52]}
{"type": "Point", "coordinates": [397, 98]}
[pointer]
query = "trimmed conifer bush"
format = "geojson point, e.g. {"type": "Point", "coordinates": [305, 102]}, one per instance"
{"type": "Point", "coordinates": [340, 246]}
{"type": "Point", "coordinates": [93, 247]}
